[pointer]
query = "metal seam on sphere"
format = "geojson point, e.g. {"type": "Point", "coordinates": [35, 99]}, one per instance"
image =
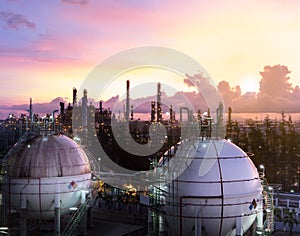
{"type": "Point", "coordinates": [222, 188]}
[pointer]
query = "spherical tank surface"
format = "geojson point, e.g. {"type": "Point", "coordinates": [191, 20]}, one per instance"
{"type": "Point", "coordinates": [215, 189]}
{"type": "Point", "coordinates": [44, 168]}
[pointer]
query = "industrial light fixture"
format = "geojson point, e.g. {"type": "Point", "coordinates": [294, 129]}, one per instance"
{"type": "Point", "coordinates": [261, 166]}
{"type": "Point", "coordinates": [3, 230]}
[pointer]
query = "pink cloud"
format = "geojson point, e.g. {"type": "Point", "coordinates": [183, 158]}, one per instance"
{"type": "Point", "coordinates": [38, 108]}
{"type": "Point", "coordinates": [188, 83]}
{"type": "Point", "coordinates": [276, 93]}
{"type": "Point", "coordinates": [15, 21]}
{"type": "Point", "coordinates": [80, 2]}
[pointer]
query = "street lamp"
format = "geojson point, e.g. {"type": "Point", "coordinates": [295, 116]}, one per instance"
{"type": "Point", "coordinates": [270, 188]}
{"type": "Point", "coordinates": [99, 159]}
{"type": "Point", "coordinates": [262, 167]}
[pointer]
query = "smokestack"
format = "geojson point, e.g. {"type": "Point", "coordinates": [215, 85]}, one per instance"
{"type": "Point", "coordinates": [152, 111]}
{"type": "Point", "coordinates": [159, 115]}
{"type": "Point", "coordinates": [101, 111]}
{"type": "Point", "coordinates": [229, 114]}
{"type": "Point", "coordinates": [171, 114]}
{"type": "Point", "coordinates": [62, 107]}
{"type": "Point", "coordinates": [30, 110]}
{"type": "Point", "coordinates": [199, 116]}
{"type": "Point", "coordinates": [84, 109]}
{"type": "Point", "coordinates": [30, 114]}
{"type": "Point", "coordinates": [220, 114]}
{"type": "Point", "coordinates": [219, 126]}
{"type": "Point", "coordinates": [100, 107]}
{"type": "Point", "coordinates": [131, 113]}
{"type": "Point", "coordinates": [69, 107]}
{"type": "Point", "coordinates": [74, 96]}
{"type": "Point", "coordinates": [127, 100]}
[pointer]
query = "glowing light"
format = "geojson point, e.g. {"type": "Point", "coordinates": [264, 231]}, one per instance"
{"type": "Point", "coordinates": [76, 138]}
{"type": "Point", "coordinates": [261, 166]}
{"type": "Point", "coordinates": [3, 230]}
{"type": "Point", "coordinates": [249, 84]}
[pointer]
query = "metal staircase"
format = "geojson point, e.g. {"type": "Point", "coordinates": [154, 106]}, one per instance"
{"type": "Point", "coordinates": [268, 207]}
{"type": "Point", "coordinates": [76, 218]}
{"type": "Point", "coordinates": [18, 145]}
{"type": "Point", "coordinates": [269, 224]}
{"type": "Point", "coordinates": [4, 169]}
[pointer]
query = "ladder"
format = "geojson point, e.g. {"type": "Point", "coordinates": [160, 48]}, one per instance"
{"type": "Point", "coordinates": [17, 146]}
{"type": "Point", "coordinates": [4, 163]}
{"type": "Point", "coordinates": [269, 208]}
{"type": "Point", "coordinates": [269, 224]}
{"type": "Point", "coordinates": [75, 219]}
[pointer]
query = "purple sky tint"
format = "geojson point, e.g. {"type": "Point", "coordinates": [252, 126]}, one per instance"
{"type": "Point", "coordinates": [48, 47]}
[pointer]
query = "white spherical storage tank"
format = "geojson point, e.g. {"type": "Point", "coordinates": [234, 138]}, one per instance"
{"type": "Point", "coordinates": [216, 189]}
{"type": "Point", "coordinates": [43, 168]}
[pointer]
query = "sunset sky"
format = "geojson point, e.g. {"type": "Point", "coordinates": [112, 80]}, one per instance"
{"type": "Point", "coordinates": [48, 47]}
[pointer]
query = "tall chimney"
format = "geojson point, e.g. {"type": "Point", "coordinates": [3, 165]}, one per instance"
{"type": "Point", "coordinates": [30, 110]}
{"type": "Point", "coordinates": [74, 96]}
{"type": "Point", "coordinates": [199, 116]}
{"type": "Point", "coordinates": [220, 114]}
{"type": "Point", "coordinates": [84, 109]}
{"type": "Point", "coordinates": [229, 114]}
{"type": "Point", "coordinates": [131, 113]}
{"type": "Point", "coordinates": [171, 114]}
{"type": "Point", "coordinates": [159, 115]}
{"type": "Point", "coordinates": [152, 111]}
{"type": "Point", "coordinates": [127, 100]}
{"type": "Point", "coordinates": [100, 107]}
{"type": "Point", "coordinates": [62, 107]}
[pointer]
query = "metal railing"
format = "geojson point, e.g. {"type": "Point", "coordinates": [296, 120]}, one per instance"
{"type": "Point", "coordinates": [268, 207]}
{"type": "Point", "coordinates": [76, 218]}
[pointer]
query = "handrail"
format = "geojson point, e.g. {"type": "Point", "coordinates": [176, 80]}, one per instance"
{"type": "Point", "coordinates": [75, 220]}
{"type": "Point", "coordinates": [17, 146]}
{"type": "Point", "coordinates": [269, 207]}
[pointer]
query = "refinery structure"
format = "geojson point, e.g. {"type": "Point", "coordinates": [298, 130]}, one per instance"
{"type": "Point", "coordinates": [201, 183]}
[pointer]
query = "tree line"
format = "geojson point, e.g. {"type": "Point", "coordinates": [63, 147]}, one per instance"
{"type": "Point", "coordinates": [273, 143]}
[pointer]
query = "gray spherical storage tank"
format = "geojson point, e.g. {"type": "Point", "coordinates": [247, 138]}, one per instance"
{"type": "Point", "coordinates": [43, 168]}
{"type": "Point", "coordinates": [216, 189]}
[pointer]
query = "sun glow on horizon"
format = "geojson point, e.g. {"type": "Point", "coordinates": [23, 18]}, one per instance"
{"type": "Point", "coordinates": [249, 83]}
{"type": "Point", "coordinates": [44, 57]}
{"type": "Point", "coordinates": [143, 83]}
